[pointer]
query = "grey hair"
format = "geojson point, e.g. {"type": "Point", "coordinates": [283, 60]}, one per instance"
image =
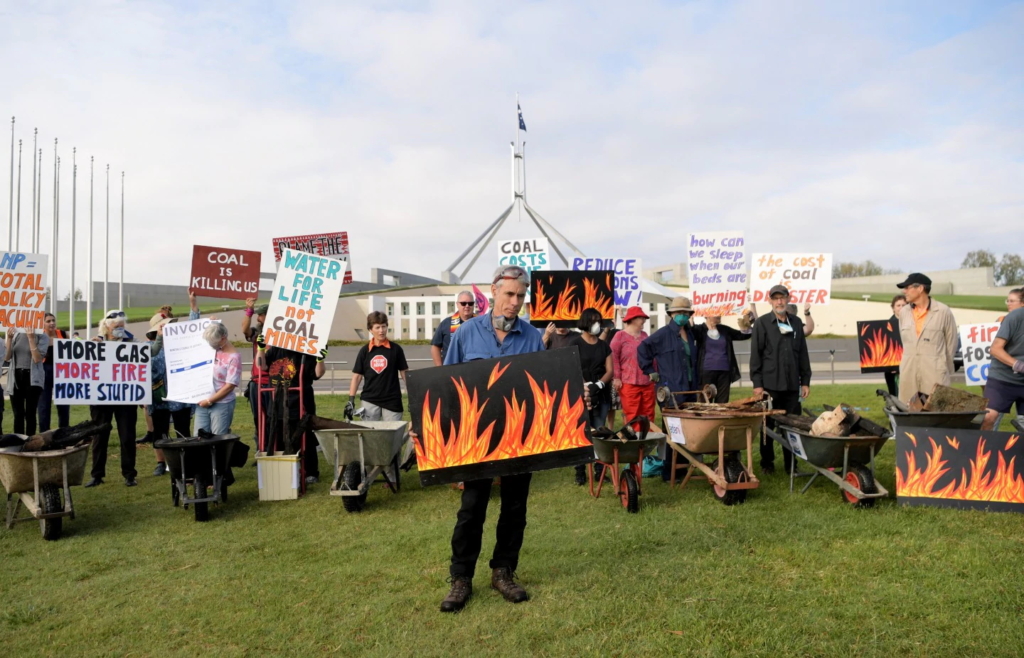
{"type": "Point", "coordinates": [215, 331]}
{"type": "Point", "coordinates": [524, 279]}
{"type": "Point", "coordinates": [465, 292]}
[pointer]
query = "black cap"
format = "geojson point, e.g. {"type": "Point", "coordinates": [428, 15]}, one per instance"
{"type": "Point", "coordinates": [777, 290]}
{"type": "Point", "coordinates": [916, 277]}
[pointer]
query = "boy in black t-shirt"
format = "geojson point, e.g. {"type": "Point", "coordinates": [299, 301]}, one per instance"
{"type": "Point", "coordinates": [380, 363]}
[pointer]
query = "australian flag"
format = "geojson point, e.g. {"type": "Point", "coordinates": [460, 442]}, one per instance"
{"type": "Point", "coordinates": [522, 124]}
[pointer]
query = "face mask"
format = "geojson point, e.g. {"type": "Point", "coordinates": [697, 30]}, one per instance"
{"type": "Point", "coordinates": [785, 328]}
{"type": "Point", "coordinates": [501, 323]}
{"type": "Point", "coordinates": [595, 329]}
{"type": "Point", "coordinates": [713, 334]}
{"type": "Point", "coordinates": [117, 333]}
{"type": "Point", "coordinates": [681, 319]}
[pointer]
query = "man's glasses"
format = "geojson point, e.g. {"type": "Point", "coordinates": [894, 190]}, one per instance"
{"type": "Point", "coordinates": [115, 314]}
{"type": "Point", "coordinates": [510, 273]}
{"type": "Point", "coordinates": [466, 303]}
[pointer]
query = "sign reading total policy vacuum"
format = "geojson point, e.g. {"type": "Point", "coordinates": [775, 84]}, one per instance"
{"type": "Point", "coordinates": [219, 272]}
{"type": "Point", "coordinates": [530, 254]}
{"type": "Point", "coordinates": [22, 290]}
{"type": "Point", "coordinates": [101, 372]}
{"type": "Point", "coordinates": [303, 302]}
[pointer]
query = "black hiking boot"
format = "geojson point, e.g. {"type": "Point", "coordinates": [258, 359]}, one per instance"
{"type": "Point", "coordinates": [462, 589]}
{"type": "Point", "coordinates": [503, 580]}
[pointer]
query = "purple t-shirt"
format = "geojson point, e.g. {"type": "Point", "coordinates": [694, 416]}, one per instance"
{"type": "Point", "coordinates": [716, 354]}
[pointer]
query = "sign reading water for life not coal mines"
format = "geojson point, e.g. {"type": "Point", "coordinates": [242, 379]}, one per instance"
{"type": "Point", "coordinates": [718, 272]}
{"type": "Point", "coordinates": [808, 276]}
{"type": "Point", "coordinates": [976, 346]}
{"type": "Point", "coordinates": [22, 290]}
{"type": "Point", "coordinates": [303, 302]}
{"type": "Point", "coordinates": [530, 254]}
{"type": "Point", "coordinates": [219, 272]}
{"type": "Point", "coordinates": [627, 276]}
{"type": "Point", "coordinates": [101, 372]}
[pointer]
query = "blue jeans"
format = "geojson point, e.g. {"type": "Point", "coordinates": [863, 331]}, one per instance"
{"type": "Point", "coordinates": [216, 418]}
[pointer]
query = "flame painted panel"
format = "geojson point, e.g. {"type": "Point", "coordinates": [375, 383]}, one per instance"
{"type": "Point", "coordinates": [964, 469]}
{"type": "Point", "coordinates": [495, 417]}
{"type": "Point", "coordinates": [560, 296]}
{"type": "Point", "coordinates": [880, 345]}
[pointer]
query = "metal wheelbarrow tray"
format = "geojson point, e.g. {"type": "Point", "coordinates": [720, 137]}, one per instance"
{"type": "Point", "coordinates": [36, 480]}
{"type": "Point", "coordinates": [611, 452]}
{"type": "Point", "coordinates": [203, 462]}
{"type": "Point", "coordinates": [360, 452]}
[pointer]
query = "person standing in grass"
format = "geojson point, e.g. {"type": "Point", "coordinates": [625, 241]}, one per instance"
{"type": "Point", "coordinates": [636, 390]}
{"type": "Point", "coordinates": [46, 397]}
{"type": "Point", "coordinates": [716, 354]}
{"type": "Point", "coordinates": [929, 335]}
{"type": "Point", "coordinates": [465, 301]}
{"type": "Point", "coordinates": [215, 412]}
{"type": "Point", "coordinates": [1006, 373]}
{"type": "Point", "coordinates": [125, 415]}
{"type": "Point", "coordinates": [596, 364]}
{"type": "Point", "coordinates": [26, 377]}
{"type": "Point", "coordinates": [382, 364]}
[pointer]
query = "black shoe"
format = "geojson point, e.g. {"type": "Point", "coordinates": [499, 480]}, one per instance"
{"type": "Point", "coordinates": [462, 589]}
{"type": "Point", "coordinates": [130, 482]}
{"type": "Point", "coordinates": [503, 580]}
{"type": "Point", "coordinates": [312, 479]}
{"type": "Point", "coordinates": [160, 469]}
{"type": "Point", "coordinates": [768, 469]}
{"type": "Point", "coordinates": [95, 482]}
{"type": "Point", "coordinates": [581, 476]}
{"type": "Point", "coordinates": [149, 438]}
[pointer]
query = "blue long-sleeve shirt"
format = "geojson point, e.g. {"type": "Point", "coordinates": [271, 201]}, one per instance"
{"type": "Point", "coordinates": [476, 339]}
{"type": "Point", "coordinates": [663, 352]}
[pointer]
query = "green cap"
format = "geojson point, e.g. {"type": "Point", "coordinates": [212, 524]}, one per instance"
{"type": "Point", "coordinates": [261, 309]}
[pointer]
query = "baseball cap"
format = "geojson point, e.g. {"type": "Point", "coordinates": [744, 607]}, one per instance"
{"type": "Point", "coordinates": [778, 290]}
{"type": "Point", "coordinates": [916, 277]}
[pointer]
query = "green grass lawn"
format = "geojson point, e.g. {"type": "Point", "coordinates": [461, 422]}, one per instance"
{"type": "Point", "coordinates": [781, 575]}
{"type": "Point", "coordinates": [978, 302]}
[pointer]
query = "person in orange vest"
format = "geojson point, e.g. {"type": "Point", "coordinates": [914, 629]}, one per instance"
{"type": "Point", "coordinates": [465, 304]}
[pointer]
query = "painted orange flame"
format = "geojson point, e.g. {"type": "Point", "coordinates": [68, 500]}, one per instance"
{"type": "Point", "coordinates": [1003, 485]}
{"type": "Point", "coordinates": [569, 305]}
{"type": "Point", "coordinates": [880, 351]}
{"type": "Point", "coordinates": [470, 445]}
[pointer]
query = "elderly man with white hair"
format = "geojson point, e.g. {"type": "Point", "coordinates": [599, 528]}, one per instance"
{"type": "Point", "coordinates": [465, 303]}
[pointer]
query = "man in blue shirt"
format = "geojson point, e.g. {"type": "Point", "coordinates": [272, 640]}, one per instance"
{"type": "Point", "coordinates": [498, 333]}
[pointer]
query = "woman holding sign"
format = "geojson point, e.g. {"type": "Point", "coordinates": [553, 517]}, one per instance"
{"type": "Point", "coordinates": [215, 412]}
{"type": "Point", "coordinates": [124, 415]}
{"type": "Point", "coordinates": [26, 377]}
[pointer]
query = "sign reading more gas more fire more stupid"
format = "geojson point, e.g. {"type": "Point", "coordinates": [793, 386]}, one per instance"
{"type": "Point", "coordinates": [334, 245]}
{"type": "Point", "coordinates": [218, 272]}
{"type": "Point", "coordinates": [807, 276]}
{"type": "Point", "coordinates": [718, 272]}
{"type": "Point", "coordinates": [530, 254]}
{"type": "Point", "coordinates": [22, 291]}
{"type": "Point", "coordinates": [976, 346]}
{"type": "Point", "coordinates": [303, 302]}
{"type": "Point", "coordinates": [627, 276]}
{"type": "Point", "coordinates": [101, 372]}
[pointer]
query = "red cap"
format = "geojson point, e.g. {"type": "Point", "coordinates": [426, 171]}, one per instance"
{"type": "Point", "coordinates": [635, 312]}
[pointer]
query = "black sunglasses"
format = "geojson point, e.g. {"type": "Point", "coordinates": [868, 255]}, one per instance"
{"type": "Point", "coordinates": [466, 303]}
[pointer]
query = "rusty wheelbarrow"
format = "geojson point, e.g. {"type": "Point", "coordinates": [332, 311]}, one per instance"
{"type": "Point", "coordinates": [623, 448]}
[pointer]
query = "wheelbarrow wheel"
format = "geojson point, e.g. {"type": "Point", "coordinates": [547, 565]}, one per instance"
{"type": "Point", "coordinates": [49, 502]}
{"type": "Point", "coordinates": [202, 509]}
{"type": "Point", "coordinates": [629, 492]}
{"type": "Point", "coordinates": [734, 472]}
{"type": "Point", "coordinates": [862, 478]}
{"type": "Point", "coordinates": [352, 478]}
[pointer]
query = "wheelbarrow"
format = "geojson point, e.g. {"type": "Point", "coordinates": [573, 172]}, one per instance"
{"type": "Point", "coordinates": [623, 448]}
{"type": "Point", "coordinates": [900, 416]}
{"type": "Point", "coordinates": [36, 479]}
{"type": "Point", "coordinates": [360, 453]}
{"type": "Point", "coordinates": [854, 455]}
{"type": "Point", "coordinates": [203, 462]}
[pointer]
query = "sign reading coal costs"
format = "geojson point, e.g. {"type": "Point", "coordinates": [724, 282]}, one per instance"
{"type": "Point", "coordinates": [220, 272]}
{"type": "Point", "coordinates": [627, 276]}
{"type": "Point", "coordinates": [717, 262]}
{"type": "Point", "coordinates": [808, 277]}
{"type": "Point", "coordinates": [334, 245]}
{"type": "Point", "coordinates": [976, 346]}
{"type": "Point", "coordinates": [303, 302]}
{"type": "Point", "coordinates": [101, 372]}
{"type": "Point", "coordinates": [22, 290]}
{"type": "Point", "coordinates": [530, 254]}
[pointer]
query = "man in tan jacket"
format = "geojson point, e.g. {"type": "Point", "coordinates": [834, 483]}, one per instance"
{"type": "Point", "coordinates": [929, 336]}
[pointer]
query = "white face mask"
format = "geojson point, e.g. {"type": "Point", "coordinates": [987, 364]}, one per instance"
{"type": "Point", "coordinates": [713, 334]}
{"type": "Point", "coordinates": [117, 333]}
{"type": "Point", "coordinates": [595, 329]}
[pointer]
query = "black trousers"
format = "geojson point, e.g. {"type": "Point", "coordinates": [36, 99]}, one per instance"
{"type": "Point", "coordinates": [469, 528]}
{"type": "Point", "coordinates": [892, 382]}
{"type": "Point", "coordinates": [125, 415]}
{"type": "Point", "coordinates": [790, 401]}
{"type": "Point", "coordinates": [164, 418]}
{"type": "Point", "coordinates": [722, 379]}
{"type": "Point", "coordinates": [24, 401]}
{"type": "Point", "coordinates": [45, 404]}
{"type": "Point", "coordinates": [310, 457]}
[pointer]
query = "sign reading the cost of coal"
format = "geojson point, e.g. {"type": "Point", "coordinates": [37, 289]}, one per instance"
{"type": "Point", "coordinates": [530, 254]}
{"type": "Point", "coordinates": [627, 276]}
{"type": "Point", "coordinates": [808, 277]}
{"type": "Point", "coordinates": [303, 302]}
{"type": "Point", "coordinates": [976, 346]}
{"type": "Point", "coordinates": [101, 372]}
{"type": "Point", "coordinates": [22, 290]}
{"type": "Point", "coordinates": [334, 245]}
{"type": "Point", "coordinates": [219, 272]}
{"type": "Point", "coordinates": [718, 272]}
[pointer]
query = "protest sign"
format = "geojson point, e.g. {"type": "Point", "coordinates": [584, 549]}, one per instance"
{"type": "Point", "coordinates": [218, 272]}
{"type": "Point", "coordinates": [879, 345]}
{"type": "Point", "coordinates": [627, 276]}
{"type": "Point", "coordinates": [101, 372]}
{"type": "Point", "coordinates": [718, 272]}
{"type": "Point", "coordinates": [303, 302]}
{"type": "Point", "coordinates": [530, 254]}
{"type": "Point", "coordinates": [22, 290]}
{"type": "Point", "coordinates": [334, 245]}
{"type": "Point", "coordinates": [495, 417]}
{"type": "Point", "coordinates": [189, 361]}
{"type": "Point", "coordinates": [976, 347]}
{"type": "Point", "coordinates": [808, 276]}
{"type": "Point", "coordinates": [560, 296]}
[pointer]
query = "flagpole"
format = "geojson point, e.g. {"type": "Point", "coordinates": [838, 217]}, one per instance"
{"type": "Point", "coordinates": [10, 202]}
{"type": "Point", "coordinates": [74, 219]}
{"type": "Point", "coordinates": [120, 290]}
{"type": "Point", "coordinates": [17, 221]}
{"type": "Point", "coordinates": [35, 139]}
{"type": "Point", "coordinates": [56, 229]}
{"type": "Point", "coordinates": [39, 206]}
{"type": "Point", "coordinates": [88, 302]}
{"type": "Point", "coordinates": [106, 258]}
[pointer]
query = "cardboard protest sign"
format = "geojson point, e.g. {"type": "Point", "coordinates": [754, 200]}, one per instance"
{"type": "Point", "coordinates": [807, 276]}
{"type": "Point", "coordinates": [303, 302]}
{"type": "Point", "coordinates": [334, 245]}
{"type": "Point", "coordinates": [560, 296]}
{"type": "Point", "coordinates": [627, 276]}
{"type": "Point", "coordinates": [976, 346]}
{"type": "Point", "coordinates": [717, 263]}
{"type": "Point", "coordinates": [22, 290]}
{"type": "Point", "coordinates": [530, 254]}
{"type": "Point", "coordinates": [189, 361]}
{"type": "Point", "coordinates": [879, 345]}
{"type": "Point", "coordinates": [101, 372]}
{"type": "Point", "coordinates": [962, 469]}
{"type": "Point", "coordinates": [220, 272]}
{"type": "Point", "coordinates": [495, 417]}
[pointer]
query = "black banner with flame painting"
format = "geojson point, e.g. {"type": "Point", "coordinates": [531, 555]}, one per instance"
{"type": "Point", "coordinates": [560, 296]}
{"type": "Point", "coordinates": [495, 417]}
{"type": "Point", "coordinates": [880, 345]}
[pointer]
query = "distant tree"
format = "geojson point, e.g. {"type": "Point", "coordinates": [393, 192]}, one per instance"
{"type": "Point", "coordinates": [847, 270]}
{"type": "Point", "coordinates": [78, 295]}
{"type": "Point", "coordinates": [979, 258]}
{"type": "Point", "coordinates": [1010, 270]}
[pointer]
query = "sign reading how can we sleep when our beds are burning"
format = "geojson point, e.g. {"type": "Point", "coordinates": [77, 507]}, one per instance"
{"type": "Point", "coordinates": [807, 276]}
{"type": "Point", "coordinates": [718, 272]}
{"type": "Point", "coordinates": [22, 290]}
{"type": "Point", "coordinates": [101, 372]}
{"type": "Point", "coordinates": [303, 302]}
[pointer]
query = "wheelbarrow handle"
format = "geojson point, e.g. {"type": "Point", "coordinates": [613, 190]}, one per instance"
{"type": "Point", "coordinates": [645, 425]}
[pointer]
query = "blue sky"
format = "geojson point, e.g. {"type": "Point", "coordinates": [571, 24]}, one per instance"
{"type": "Point", "coordinates": [881, 130]}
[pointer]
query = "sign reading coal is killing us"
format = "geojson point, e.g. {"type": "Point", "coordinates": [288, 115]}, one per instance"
{"type": "Point", "coordinates": [334, 245]}
{"type": "Point", "coordinates": [219, 272]}
{"type": "Point", "coordinates": [101, 372]}
{"type": "Point", "coordinates": [22, 290]}
{"type": "Point", "coordinates": [495, 417]}
{"type": "Point", "coordinates": [303, 302]}
{"type": "Point", "coordinates": [808, 277]}
{"type": "Point", "coordinates": [717, 264]}
{"type": "Point", "coordinates": [627, 276]}
{"type": "Point", "coordinates": [560, 296]}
